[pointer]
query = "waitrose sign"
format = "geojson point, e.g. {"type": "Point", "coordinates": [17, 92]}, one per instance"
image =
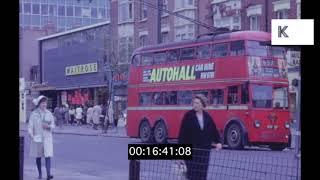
{"type": "Point", "coordinates": [81, 69]}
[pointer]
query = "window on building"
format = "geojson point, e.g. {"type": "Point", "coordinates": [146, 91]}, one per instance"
{"type": "Point", "coordinates": [220, 50]}
{"type": "Point", "coordinates": [173, 55]}
{"type": "Point", "coordinates": [233, 95]}
{"type": "Point", "coordinates": [35, 20]}
{"type": "Point", "coordinates": [77, 11]}
{"type": "Point", "coordinates": [27, 20]}
{"type": "Point", "coordinates": [159, 57]}
{"type": "Point", "coordinates": [179, 4]}
{"type": "Point", "coordinates": [143, 11]}
{"type": "Point", "coordinates": [101, 13]}
{"type": "Point", "coordinates": [157, 98]}
{"type": "Point", "coordinates": [170, 98]}
{"type": "Point", "coordinates": [165, 37]}
{"type": "Point", "coordinates": [187, 53]}
{"type": "Point", "coordinates": [52, 10]}
{"type": "Point", "coordinates": [145, 98]}
{"type": "Point", "coordinates": [94, 12]}
{"type": "Point", "coordinates": [203, 52]}
{"type": "Point", "coordinates": [125, 10]}
{"type": "Point", "coordinates": [254, 23]}
{"type": "Point", "coordinates": [61, 11]}
{"type": "Point", "coordinates": [44, 20]}
{"type": "Point", "coordinates": [69, 11]}
{"type": "Point", "coordinates": [35, 9]}
{"type": "Point", "coordinates": [298, 10]}
{"type": "Point", "coordinates": [236, 19]}
{"type": "Point", "coordinates": [143, 40]}
{"type": "Point", "coordinates": [184, 97]}
{"type": "Point", "coordinates": [217, 96]}
{"type": "Point", "coordinates": [27, 8]}
{"type": "Point", "coordinates": [164, 6]}
{"type": "Point", "coordinates": [237, 48]}
{"type": "Point", "coordinates": [44, 9]}
{"type": "Point", "coordinates": [146, 59]}
{"type": "Point", "coordinates": [283, 14]}
{"type": "Point", "coordinates": [34, 73]}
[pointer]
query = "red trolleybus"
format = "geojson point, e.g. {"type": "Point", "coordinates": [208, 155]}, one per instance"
{"type": "Point", "coordinates": [244, 78]}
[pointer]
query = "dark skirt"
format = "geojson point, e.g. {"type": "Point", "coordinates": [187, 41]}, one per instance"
{"type": "Point", "coordinates": [197, 167]}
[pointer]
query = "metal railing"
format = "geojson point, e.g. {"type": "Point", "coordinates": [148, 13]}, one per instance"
{"type": "Point", "coordinates": [223, 165]}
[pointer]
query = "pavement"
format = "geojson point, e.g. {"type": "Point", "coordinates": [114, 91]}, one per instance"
{"type": "Point", "coordinates": [120, 132]}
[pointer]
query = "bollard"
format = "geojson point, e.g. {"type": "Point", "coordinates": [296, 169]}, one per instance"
{"type": "Point", "coordinates": [134, 170]}
{"type": "Point", "coordinates": [21, 156]}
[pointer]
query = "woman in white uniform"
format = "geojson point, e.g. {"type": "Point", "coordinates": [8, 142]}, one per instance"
{"type": "Point", "coordinates": [40, 128]}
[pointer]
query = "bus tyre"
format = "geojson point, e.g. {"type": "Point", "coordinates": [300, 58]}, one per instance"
{"type": "Point", "coordinates": [277, 147]}
{"type": "Point", "coordinates": [235, 136]}
{"type": "Point", "coordinates": [145, 132]}
{"type": "Point", "coordinates": [160, 133]}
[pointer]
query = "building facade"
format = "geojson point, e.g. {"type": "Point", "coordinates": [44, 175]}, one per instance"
{"type": "Point", "coordinates": [73, 66]}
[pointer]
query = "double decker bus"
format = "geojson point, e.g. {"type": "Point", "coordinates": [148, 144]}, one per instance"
{"type": "Point", "coordinates": [243, 77]}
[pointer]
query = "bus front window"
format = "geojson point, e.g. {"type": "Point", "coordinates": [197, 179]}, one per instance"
{"type": "Point", "coordinates": [280, 100]}
{"type": "Point", "coordinates": [261, 96]}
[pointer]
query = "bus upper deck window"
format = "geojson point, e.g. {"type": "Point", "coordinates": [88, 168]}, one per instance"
{"type": "Point", "coordinates": [187, 54]}
{"type": "Point", "coordinates": [257, 48]}
{"type": "Point", "coordinates": [173, 55]}
{"type": "Point", "coordinates": [220, 50]}
{"type": "Point", "coordinates": [146, 59]}
{"type": "Point", "coordinates": [203, 52]}
{"type": "Point", "coordinates": [136, 60]}
{"type": "Point", "coordinates": [159, 57]}
{"type": "Point", "coordinates": [237, 48]}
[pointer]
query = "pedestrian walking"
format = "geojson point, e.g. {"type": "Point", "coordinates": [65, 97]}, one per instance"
{"type": "Point", "coordinates": [197, 128]}
{"type": "Point", "coordinates": [79, 115]}
{"type": "Point", "coordinates": [72, 113]}
{"type": "Point", "coordinates": [40, 131]}
{"type": "Point", "coordinates": [116, 115]}
{"type": "Point", "coordinates": [89, 115]}
{"type": "Point", "coordinates": [66, 114]}
{"type": "Point", "coordinates": [96, 116]}
{"type": "Point", "coordinates": [59, 115]}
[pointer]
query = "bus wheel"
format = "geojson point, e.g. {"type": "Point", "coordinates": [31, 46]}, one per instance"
{"type": "Point", "coordinates": [277, 147]}
{"type": "Point", "coordinates": [234, 136]}
{"type": "Point", "coordinates": [145, 132]}
{"type": "Point", "coordinates": [160, 133]}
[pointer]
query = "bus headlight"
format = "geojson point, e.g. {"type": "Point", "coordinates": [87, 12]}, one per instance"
{"type": "Point", "coordinates": [257, 123]}
{"type": "Point", "coordinates": [287, 125]}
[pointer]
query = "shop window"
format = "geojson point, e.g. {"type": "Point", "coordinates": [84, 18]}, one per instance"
{"type": "Point", "coordinates": [237, 48]}
{"type": "Point", "coordinates": [187, 53]}
{"type": "Point", "coordinates": [184, 97]}
{"type": "Point", "coordinates": [233, 95]}
{"type": "Point", "coordinates": [145, 98]}
{"type": "Point", "coordinates": [217, 96]}
{"type": "Point", "coordinates": [157, 98]}
{"type": "Point", "coordinates": [173, 55]}
{"type": "Point", "coordinates": [220, 50]}
{"type": "Point", "coordinates": [170, 98]}
{"type": "Point", "coordinates": [203, 52]}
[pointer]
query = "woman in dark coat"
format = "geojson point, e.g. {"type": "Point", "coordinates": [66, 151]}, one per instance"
{"type": "Point", "coordinates": [197, 128]}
